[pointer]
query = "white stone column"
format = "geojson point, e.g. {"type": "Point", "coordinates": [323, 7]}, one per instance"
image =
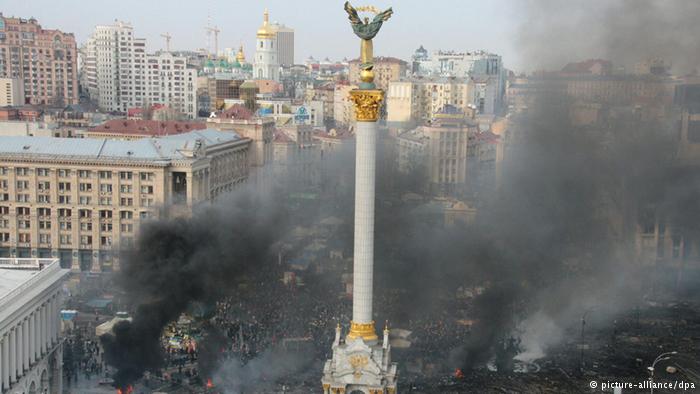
{"type": "Point", "coordinates": [13, 356]}
{"type": "Point", "coordinates": [52, 320]}
{"type": "Point", "coordinates": [32, 333]}
{"type": "Point", "coordinates": [3, 366]}
{"type": "Point", "coordinates": [35, 334]}
{"type": "Point", "coordinates": [42, 327]}
{"type": "Point", "coordinates": [365, 167]}
{"type": "Point", "coordinates": [20, 350]}
{"type": "Point", "coordinates": [25, 344]}
{"type": "Point", "coordinates": [5, 362]}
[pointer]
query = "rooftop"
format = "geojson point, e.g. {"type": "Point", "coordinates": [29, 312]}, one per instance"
{"type": "Point", "coordinates": [146, 127]}
{"type": "Point", "coordinates": [173, 147]}
{"type": "Point", "coordinates": [23, 279]}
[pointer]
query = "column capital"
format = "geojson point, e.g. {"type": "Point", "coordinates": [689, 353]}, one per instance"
{"type": "Point", "coordinates": [367, 103]}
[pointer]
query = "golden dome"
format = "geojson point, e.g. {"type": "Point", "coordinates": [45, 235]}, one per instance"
{"type": "Point", "coordinates": [266, 31]}
{"type": "Point", "coordinates": [240, 56]}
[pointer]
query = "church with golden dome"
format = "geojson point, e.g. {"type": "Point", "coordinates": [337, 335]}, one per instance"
{"type": "Point", "coordinates": [274, 49]}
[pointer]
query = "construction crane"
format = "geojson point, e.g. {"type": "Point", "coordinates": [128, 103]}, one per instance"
{"type": "Point", "coordinates": [216, 32]}
{"type": "Point", "coordinates": [167, 37]}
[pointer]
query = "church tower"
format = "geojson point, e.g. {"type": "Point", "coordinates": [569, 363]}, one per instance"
{"type": "Point", "coordinates": [266, 64]}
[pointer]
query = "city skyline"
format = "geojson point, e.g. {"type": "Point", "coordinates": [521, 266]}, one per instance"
{"type": "Point", "coordinates": [320, 34]}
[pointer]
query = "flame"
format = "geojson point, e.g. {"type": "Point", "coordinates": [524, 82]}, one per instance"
{"type": "Point", "coordinates": [210, 385]}
{"type": "Point", "coordinates": [128, 390]}
{"type": "Point", "coordinates": [459, 374]}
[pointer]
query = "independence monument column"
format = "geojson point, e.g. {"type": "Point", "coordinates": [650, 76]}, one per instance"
{"type": "Point", "coordinates": [361, 363]}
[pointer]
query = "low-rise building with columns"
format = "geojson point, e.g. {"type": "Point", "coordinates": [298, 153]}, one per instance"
{"type": "Point", "coordinates": [31, 353]}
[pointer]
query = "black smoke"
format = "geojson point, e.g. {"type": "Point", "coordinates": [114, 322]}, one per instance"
{"type": "Point", "coordinates": [183, 260]}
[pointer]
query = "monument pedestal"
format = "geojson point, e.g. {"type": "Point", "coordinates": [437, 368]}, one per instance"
{"type": "Point", "coordinates": [360, 366]}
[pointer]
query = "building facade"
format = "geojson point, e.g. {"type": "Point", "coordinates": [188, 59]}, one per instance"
{"type": "Point", "coordinates": [11, 92]}
{"type": "Point", "coordinates": [386, 70]}
{"type": "Point", "coordinates": [44, 61]}
{"type": "Point", "coordinates": [82, 199]}
{"type": "Point", "coordinates": [418, 100]}
{"type": "Point", "coordinates": [118, 74]}
{"type": "Point", "coordinates": [442, 148]}
{"type": "Point", "coordinates": [31, 350]}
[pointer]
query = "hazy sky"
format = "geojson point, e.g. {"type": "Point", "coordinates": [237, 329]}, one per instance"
{"type": "Point", "coordinates": [321, 26]}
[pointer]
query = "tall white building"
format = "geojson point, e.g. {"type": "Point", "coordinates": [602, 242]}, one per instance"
{"type": "Point", "coordinates": [274, 49]}
{"type": "Point", "coordinates": [266, 64]}
{"type": "Point", "coordinates": [118, 74]}
{"type": "Point", "coordinates": [31, 350]}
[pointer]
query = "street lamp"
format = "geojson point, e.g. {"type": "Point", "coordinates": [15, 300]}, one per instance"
{"type": "Point", "coordinates": [661, 357]}
{"type": "Point", "coordinates": [583, 326]}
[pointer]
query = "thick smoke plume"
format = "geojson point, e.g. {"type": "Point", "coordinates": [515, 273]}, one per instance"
{"type": "Point", "coordinates": [553, 33]}
{"type": "Point", "coordinates": [179, 261]}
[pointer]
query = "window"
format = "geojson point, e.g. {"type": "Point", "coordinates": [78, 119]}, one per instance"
{"type": "Point", "coordinates": [65, 225]}
{"type": "Point", "coordinates": [146, 202]}
{"type": "Point", "coordinates": [3, 184]}
{"type": "Point", "coordinates": [4, 237]}
{"type": "Point", "coordinates": [63, 173]}
{"type": "Point", "coordinates": [125, 175]}
{"type": "Point", "coordinates": [86, 240]}
{"type": "Point", "coordinates": [45, 238]}
{"type": "Point", "coordinates": [64, 199]}
{"type": "Point", "coordinates": [146, 189]}
{"type": "Point", "coordinates": [23, 224]}
{"type": "Point", "coordinates": [86, 226]}
{"type": "Point", "coordinates": [23, 211]}
{"type": "Point", "coordinates": [44, 224]}
{"type": "Point", "coordinates": [86, 187]}
{"type": "Point", "coordinates": [127, 227]}
{"type": "Point", "coordinates": [4, 197]}
{"type": "Point", "coordinates": [23, 197]}
{"type": "Point", "coordinates": [42, 172]}
{"type": "Point", "coordinates": [4, 223]}
{"type": "Point", "coordinates": [106, 241]}
{"type": "Point", "coordinates": [106, 214]}
{"type": "Point", "coordinates": [105, 188]}
{"type": "Point", "coordinates": [21, 171]}
{"type": "Point", "coordinates": [65, 239]}
{"type": "Point", "coordinates": [4, 210]}
{"type": "Point", "coordinates": [125, 188]}
{"type": "Point", "coordinates": [44, 186]}
{"type": "Point", "coordinates": [85, 200]}
{"type": "Point", "coordinates": [3, 170]}
{"type": "Point", "coordinates": [44, 211]}
{"type": "Point", "coordinates": [106, 227]}
{"type": "Point", "coordinates": [105, 174]}
{"type": "Point", "coordinates": [24, 238]}
{"type": "Point", "coordinates": [147, 176]}
{"type": "Point", "coordinates": [63, 186]}
{"type": "Point", "coordinates": [105, 201]}
{"type": "Point", "coordinates": [84, 213]}
{"type": "Point", "coordinates": [22, 185]}
{"type": "Point", "coordinates": [43, 198]}
{"type": "Point", "coordinates": [84, 174]}
{"type": "Point", "coordinates": [64, 213]}
{"type": "Point", "coordinates": [126, 215]}
{"type": "Point", "coordinates": [126, 202]}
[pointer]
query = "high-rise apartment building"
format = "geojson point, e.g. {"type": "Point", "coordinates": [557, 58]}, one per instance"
{"type": "Point", "coordinates": [285, 45]}
{"type": "Point", "coordinates": [45, 61]}
{"type": "Point", "coordinates": [118, 74]}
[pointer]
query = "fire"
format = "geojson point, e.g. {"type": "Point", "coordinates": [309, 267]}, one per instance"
{"type": "Point", "coordinates": [210, 385]}
{"type": "Point", "coordinates": [459, 374]}
{"type": "Point", "coordinates": [127, 390]}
